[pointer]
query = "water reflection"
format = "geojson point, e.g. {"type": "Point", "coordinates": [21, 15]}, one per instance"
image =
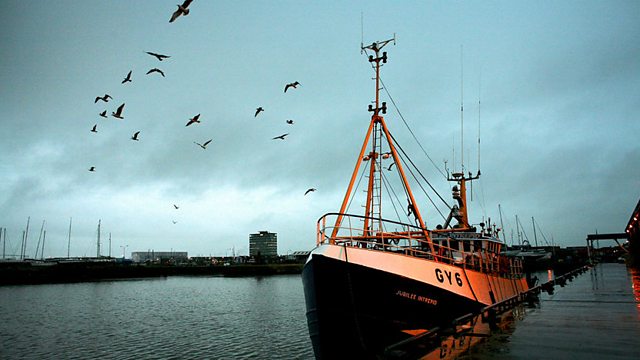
{"type": "Point", "coordinates": [635, 285]}
{"type": "Point", "coordinates": [457, 342]}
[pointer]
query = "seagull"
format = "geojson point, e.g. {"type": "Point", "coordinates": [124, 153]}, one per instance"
{"type": "Point", "coordinates": [293, 85]}
{"type": "Point", "coordinates": [390, 166]}
{"type": "Point", "coordinates": [118, 113]}
{"type": "Point", "coordinates": [104, 98]}
{"type": "Point", "coordinates": [258, 111]}
{"type": "Point", "coordinates": [182, 10]}
{"type": "Point", "coordinates": [310, 190]}
{"type": "Point", "coordinates": [290, 122]}
{"type": "Point", "coordinates": [194, 120]}
{"type": "Point", "coordinates": [93, 168]}
{"type": "Point", "coordinates": [135, 136]}
{"type": "Point", "coordinates": [128, 78]}
{"type": "Point", "coordinates": [176, 206]}
{"type": "Point", "coordinates": [155, 70]}
{"type": "Point", "coordinates": [94, 128]}
{"type": "Point", "coordinates": [160, 57]}
{"type": "Point", "coordinates": [281, 137]}
{"type": "Point", "coordinates": [204, 146]}
{"type": "Point", "coordinates": [104, 114]}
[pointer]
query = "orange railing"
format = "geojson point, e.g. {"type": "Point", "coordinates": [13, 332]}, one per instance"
{"type": "Point", "coordinates": [468, 250]}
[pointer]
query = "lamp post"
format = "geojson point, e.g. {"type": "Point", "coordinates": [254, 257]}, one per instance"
{"type": "Point", "coordinates": [124, 249]}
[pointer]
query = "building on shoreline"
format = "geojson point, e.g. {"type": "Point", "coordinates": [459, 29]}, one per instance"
{"type": "Point", "coordinates": [263, 244]}
{"type": "Point", "coordinates": [159, 256]}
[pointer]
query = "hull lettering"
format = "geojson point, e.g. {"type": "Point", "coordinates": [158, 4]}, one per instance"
{"type": "Point", "coordinates": [448, 277]}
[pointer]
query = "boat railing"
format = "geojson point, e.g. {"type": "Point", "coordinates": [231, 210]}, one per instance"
{"type": "Point", "coordinates": [470, 252]}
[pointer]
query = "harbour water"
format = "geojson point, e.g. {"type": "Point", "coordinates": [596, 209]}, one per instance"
{"type": "Point", "coordinates": [597, 315]}
{"type": "Point", "coordinates": [170, 318]}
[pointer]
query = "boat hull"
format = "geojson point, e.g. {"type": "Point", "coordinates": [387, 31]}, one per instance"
{"type": "Point", "coordinates": [355, 309]}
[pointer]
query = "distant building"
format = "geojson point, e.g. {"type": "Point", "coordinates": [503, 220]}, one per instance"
{"type": "Point", "coordinates": [299, 256]}
{"type": "Point", "coordinates": [159, 256]}
{"type": "Point", "coordinates": [263, 243]}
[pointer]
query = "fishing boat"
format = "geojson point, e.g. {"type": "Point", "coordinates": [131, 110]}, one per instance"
{"type": "Point", "coordinates": [373, 281]}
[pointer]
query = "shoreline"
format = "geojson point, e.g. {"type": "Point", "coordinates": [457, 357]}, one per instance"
{"type": "Point", "coordinates": [25, 273]}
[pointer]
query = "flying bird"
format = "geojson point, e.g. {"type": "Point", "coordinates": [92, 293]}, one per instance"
{"type": "Point", "coordinates": [135, 136]}
{"type": "Point", "coordinates": [194, 120]}
{"type": "Point", "coordinates": [258, 111]}
{"type": "Point", "coordinates": [390, 166]}
{"type": "Point", "coordinates": [118, 113]}
{"type": "Point", "coordinates": [204, 146]}
{"type": "Point", "coordinates": [104, 98]}
{"type": "Point", "coordinates": [310, 190]}
{"type": "Point", "coordinates": [281, 137]}
{"type": "Point", "coordinates": [176, 206]}
{"type": "Point", "coordinates": [182, 10]}
{"type": "Point", "coordinates": [93, 168]}
{"type": "Point", "coordinates": [94, 128]}
{"type": "Point", "coordinates": [155, 70]}
{"type": "Point", "coordinates": [290, 122]}
{"type": "Point", "coordinates": [174, 222]}
{"type": "Point", "coordinates": [104, 114]}
{"type": "Point", "coordinates": [293, 85]}
{"type": "Point", "coordinates": [160, 57]}
{"type": "Point", "coordinates": [128, 78]}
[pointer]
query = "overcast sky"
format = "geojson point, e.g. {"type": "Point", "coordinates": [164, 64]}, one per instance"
{"type": "Point", "coordinates": [559, 84]}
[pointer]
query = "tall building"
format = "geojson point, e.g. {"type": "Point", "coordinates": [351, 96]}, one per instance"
{"type": "Point", "coordinates": [263, 243]}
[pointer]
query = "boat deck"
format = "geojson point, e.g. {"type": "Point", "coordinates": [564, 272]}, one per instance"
{"type": "Point", "coordinates": [596, 316]}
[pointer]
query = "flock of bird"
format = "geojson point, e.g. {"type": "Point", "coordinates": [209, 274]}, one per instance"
{"type": "Point", "coordinates": [182, 10]}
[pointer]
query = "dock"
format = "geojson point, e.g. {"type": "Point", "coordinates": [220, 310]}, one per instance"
{"type": "Point", "coordinates": [596, 316]}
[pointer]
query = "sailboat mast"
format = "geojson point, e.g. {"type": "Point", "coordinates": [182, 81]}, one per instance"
{"type": "Point", "coordinates": [535, 237]}
{"type": "Point", "coordinates": [502, 224]}
{"type": "Point", "coordinates": [44, 237]}
{"type": "Point", "coordinates": [98, 247]}
{"type": "Point", "coordinates": [518, 230]}
{"type": "Point", "coordinates": [25, 236]}
{"type": "Point", "coordinates": [69, 241]}
{"type": "Point", "coordinates": [39, 239]}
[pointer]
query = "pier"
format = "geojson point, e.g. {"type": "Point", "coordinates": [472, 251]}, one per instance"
{"type": "Point", "coordinates": [591, 312]}
{"type": "Point", "coordinates": [596, 316]}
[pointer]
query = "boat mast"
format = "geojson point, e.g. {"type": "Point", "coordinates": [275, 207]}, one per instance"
{"type": "Point", "coordinates": [25, 236]}
{"type": "Point", "coordinates": [504, 235]}
{"type": "Point", "coordinates": [460, 212]}
{"type": "Point", "coordinates": [379, 130]}
{"type": "Point", "coordinates": [69, 241]}
{"type": "Point", "coordinates": [98, 247]}
{"type": "Point", "coordinates": [535, 236]}
{"type": "Point", "coordinates": [518, 230]}
{"type": "Point", "coordinates": [44, 238]}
